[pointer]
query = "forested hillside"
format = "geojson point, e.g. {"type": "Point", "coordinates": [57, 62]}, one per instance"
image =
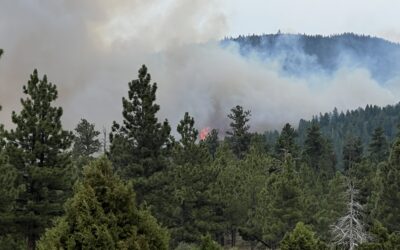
{"type": "Point", "coordinates": [306, 54]}
{"type": "Point", "coordinates": [344, 127]}
{"type": "Point", "coordinates": [142, 188]}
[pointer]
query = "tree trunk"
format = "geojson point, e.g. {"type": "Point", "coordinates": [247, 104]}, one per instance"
{"type": "Point", "coordinates": [31, 242]}
{"type": "Point", "coordinates": [233, 237]}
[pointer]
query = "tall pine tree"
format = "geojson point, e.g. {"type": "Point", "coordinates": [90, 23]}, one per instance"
{"type": "Point", "coordinates": [387, 207]}
{"type": "Point", "coordinates": [36, 148]}
{"type": "Point", "coordinates": [239, 136]}
{"type": "Point", "coordinates": [352, 152]}
{"type": "Point", "coordinates": [138, 146]}
{"type": "Point", "coordinates": [86, 141]}
{"type": "Point", "coordinates": [378, 147]}
{"type": "Point", "coordinates": [286, 143]}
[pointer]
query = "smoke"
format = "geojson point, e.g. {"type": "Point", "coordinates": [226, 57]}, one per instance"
{"type": "Point", "coordinates": [92, 49]}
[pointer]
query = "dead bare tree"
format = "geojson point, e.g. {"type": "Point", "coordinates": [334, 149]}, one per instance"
{"type": "Point", "coordinates": [349, 230]}
{"type": "Point", "coordinates": [104, 141]}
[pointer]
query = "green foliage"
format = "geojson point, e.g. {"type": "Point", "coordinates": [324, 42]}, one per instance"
{"type": "Point", "coordinates": [286, 143]}
{"type": "Point", "coordinates": [86, 141]}
{"type": "Point", "coordinates": [185, 203]}
{"type": "Point", "coordinates": [139, 146]}
{"type": "Point", "coordinates": [381, 239]}
{"type": "Point", "coordinates": [103, 214]}
{"type": "Point", "coordinates": [359, 123]}
{"type": "Point", "coordinates": [280, 204]}
{"type": "Point", "coordinates": [302, 238]}
{"type": "Point", "coordinates": [208, 244]}
{"type": "Point", "coordinates": [187, 151]}
{"type": "Point", "coordinates": [378, 148]}
{"type": "Point", "coordinates": [387, 203]}
{"type": "Point", "coordinates": [211, 142]}
{"type": "Point", "coordinates": [352, 152]}
{"type": "Point", "coordinates": [239, 137]}
{"type": "Point", "coordinates": [325, 203]}
{"type": "Point", "coordinates": [187, 131]}
{"type": "Point", "coordinates": [186, 246]}
{"type": "Point", "coordinates": [36, 148]}
{"type": "Point", "coordinates": [10, 241]}
{"type": "Point", "coordinates": [8, 194]}
{"type": "Point", "coordinates": [317, 151]}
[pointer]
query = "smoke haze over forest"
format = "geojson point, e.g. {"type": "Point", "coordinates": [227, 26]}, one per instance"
{"type": "Point", "coordinates": [92, 50]}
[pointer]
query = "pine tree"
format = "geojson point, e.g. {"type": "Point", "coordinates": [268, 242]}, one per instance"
{"type": "Point", "coordinates": [211, 142]}
{"type": "Point", "coordinates": [286, 143]}
{"type": "Point", "coordinates": [378, 147]}
{"type": "Point", "coordinates": [280, 204]}
{"type": "Point", "coordinates": [352, 152]}
{"type": "Point", "coordinates": [187, 131]}
{"type": "Point", "coordinates": [239, 136]}
{"type": "Point", "coordinates": [187, 151]}
{"type": "Point", "coordinates": [208, 244]}
{"type": "Point", "coordinates": [387, 207]}
{"type": "Point", "coordinates": [86, 141]}
{"type": "Point", "coordinates": [36, 148]}
{"type": "Point", "coordinates": [314, 146]}
{"type": "Point", "coordinates": [302, 238]}
{"type": "Point", "coordinates": [246, 183]}
{"type": "Point", "coordinates": [103, 214]}
{"type": "Point", "coordinates": [138, 146]}
{"type": "Point", "coordinates": [185, 202]}
{"type": "Point", "coordinates": [318, 152]}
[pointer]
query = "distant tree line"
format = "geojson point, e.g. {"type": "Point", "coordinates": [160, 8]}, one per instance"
{"type": "Point", "coordinates": [301, 54]}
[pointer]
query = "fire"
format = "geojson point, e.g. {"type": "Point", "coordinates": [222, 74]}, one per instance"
{"type": "Point", "coordinates": [204, 132]}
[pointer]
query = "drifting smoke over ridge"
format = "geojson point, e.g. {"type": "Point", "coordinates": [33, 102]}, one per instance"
{"type": "Point", "coordinates": [92, 49]}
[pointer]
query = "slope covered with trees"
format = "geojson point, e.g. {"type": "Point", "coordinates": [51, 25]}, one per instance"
{"type": "Point", "coordinates": [307, 54]}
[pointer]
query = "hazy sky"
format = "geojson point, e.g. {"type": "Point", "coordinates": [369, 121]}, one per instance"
{"type": "Point", "coordinates": [92, 48]}
{"type": "Point", "coordinates": [374, 17]}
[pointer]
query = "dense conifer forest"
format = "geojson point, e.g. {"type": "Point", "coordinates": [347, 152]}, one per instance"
{"type": "Point", "coordinates": [330, 183]}
{"type": "Point", "coordinates": [302, 55]}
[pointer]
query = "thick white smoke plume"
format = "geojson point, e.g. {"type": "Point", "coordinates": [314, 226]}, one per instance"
{"type": "Point", "coordinates": [92, 49]}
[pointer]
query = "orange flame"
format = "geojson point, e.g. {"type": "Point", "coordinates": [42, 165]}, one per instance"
{"type": "Point", "coordinates": [204, 132]}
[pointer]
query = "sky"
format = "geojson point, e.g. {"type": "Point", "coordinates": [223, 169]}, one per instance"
{"type": "Point", "coordinates": [91, 49]}
{"type": "Point", "coordinates": [373, 17]}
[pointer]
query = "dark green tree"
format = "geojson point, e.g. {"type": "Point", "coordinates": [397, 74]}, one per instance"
{"type": "Point", "coordinates": [352, 152]}
{"type": "Point", "coordinates": [239, 136]}
{"type": "Point", "coordinates": [302, 238]}
{"type": "Point", "coordinates": [103, 214]}
{"type": "Point", "coordinates": [211, 142]}
{"type": "Point", "coordinates": [8, 194]}
{"type": "Point", "coordinates": [286, 143]}
{"type": "Point", "coordinates": [387, 204]}
{"type": "Point", "coordinates": [318, 152]}
{"type": "Point", "coordinates": [378, 147]}
{"type": "Point", "coordinates": [86, 141]}
{"type": "Point", "coordinates": [187, 131]}
{"type": "Point", "coordinates": [187, 151]}
{"type": "Point", "coordinates": [36, 148]}
{"type": "Point", "coordinates": [185, 198]}
{"type": "Point", "coordinates": [381, 239]}
{"type": "Point", "coordinates": [280, 204]}
{"type": "Point", "coordinates": [138, 146]}
{"type": "Point", "coordinates": [314, 146]}
{"type": "Point", "coordinates": [208, 244]}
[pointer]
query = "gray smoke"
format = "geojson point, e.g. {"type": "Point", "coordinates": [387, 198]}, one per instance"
{"type": "Point", "coordinates": [92, 49]}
